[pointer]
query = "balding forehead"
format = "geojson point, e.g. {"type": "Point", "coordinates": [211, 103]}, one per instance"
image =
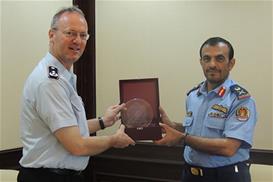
{"type": "Point", "coordinates": [76, 14]}
{"type": "Point", "coordinates": [70, 17]}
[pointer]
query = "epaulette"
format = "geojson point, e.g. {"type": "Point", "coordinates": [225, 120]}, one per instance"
{"type": "Point", "coordinates": [53, 72]}
{"type": "Point", "coordinates": [239, 91]}
{"type": "Point", "coordinates": [194, 88]}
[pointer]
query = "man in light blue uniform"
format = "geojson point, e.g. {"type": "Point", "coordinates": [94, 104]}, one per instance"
{"type": "Point", "coordinates": [219, 122]}
{"type": "Point", "coordinates": [54, 128]}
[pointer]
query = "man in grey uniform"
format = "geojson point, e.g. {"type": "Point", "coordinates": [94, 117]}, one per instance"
{"type": "Point", "coordinates": [54, 128]}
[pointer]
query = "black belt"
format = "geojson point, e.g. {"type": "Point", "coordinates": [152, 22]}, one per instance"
{"type": "Point", "coordinates": [67, 172]}
{"type": "Point", "coordinates": [201, 171]}
{"type": "Point", "coordinates": [64, 171]}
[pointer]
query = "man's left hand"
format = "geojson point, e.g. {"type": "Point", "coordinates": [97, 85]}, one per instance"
{"type": "Point", "coordinates": [112, 114]}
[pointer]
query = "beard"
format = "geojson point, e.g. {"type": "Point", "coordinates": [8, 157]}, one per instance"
{"type": "Point", "coordinates": [215, 76]}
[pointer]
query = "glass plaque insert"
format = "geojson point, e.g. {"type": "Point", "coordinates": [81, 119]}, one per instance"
{"type": "Point", "coordinates": [141, 118]}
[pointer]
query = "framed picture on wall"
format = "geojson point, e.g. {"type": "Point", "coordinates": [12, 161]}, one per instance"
{"type": "Point", "coordinates": [141, 117]}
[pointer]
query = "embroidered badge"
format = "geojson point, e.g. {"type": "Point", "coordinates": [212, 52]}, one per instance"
{"type": "Point", "coordinates": [53, 72]}
{"type": "Point", "coordinates": [222, 91]}
{"type": "Point", "coordinates": [242, 113]}
{"type": "Point", "coordinates": [240, 92]}
{"type": "Point", "coordinates": [220, 108]}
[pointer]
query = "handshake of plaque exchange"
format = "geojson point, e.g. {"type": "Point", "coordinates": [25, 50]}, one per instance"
{"type": "Point", "coordinates": [137, 118]}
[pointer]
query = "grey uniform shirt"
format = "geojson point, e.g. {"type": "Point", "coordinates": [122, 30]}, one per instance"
{"type": "Point", "coordinates": [50, 102]}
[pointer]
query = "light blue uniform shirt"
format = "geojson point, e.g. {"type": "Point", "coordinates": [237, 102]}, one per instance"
{"type": "Point", "coordinates": [219, 113]}
{"type": "Point", "coordinates": [49, 104]}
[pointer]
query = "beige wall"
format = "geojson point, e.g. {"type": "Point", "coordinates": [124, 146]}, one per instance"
{"type": "Point", "coordinates": [261, 173]}
{"type": "Point", "coordinates": [138, 39]}
{"type": "Point", "coordinates": [24, 41]}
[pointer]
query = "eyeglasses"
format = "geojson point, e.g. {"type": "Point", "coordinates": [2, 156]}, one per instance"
{"type": "Point", "coordinates": [73, 34]}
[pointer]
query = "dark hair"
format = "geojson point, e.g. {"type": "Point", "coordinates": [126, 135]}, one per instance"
{"type": "Point", "coordinates": [57, 16]}
{"type": "Point", "coordinates": [214, 41]}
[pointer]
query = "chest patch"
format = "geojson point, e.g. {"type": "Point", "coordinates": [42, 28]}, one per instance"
{"type": "Point", "coordinates": [220, 108]}
{"type": "Point", "coordinates": [217, 115]}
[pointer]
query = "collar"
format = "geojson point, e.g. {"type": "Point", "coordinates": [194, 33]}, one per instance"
{"type": "Point", "coordinates": [221, 90]}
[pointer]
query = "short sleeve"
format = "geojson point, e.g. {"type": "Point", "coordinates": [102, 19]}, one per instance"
{"type": "Point", "coordinates": [54, 106]}
{"type": "Point", "coordinates": [241, 122]}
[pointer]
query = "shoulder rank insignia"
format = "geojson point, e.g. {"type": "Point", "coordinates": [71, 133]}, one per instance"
{"type": "Point", "coordinates": [240, 92]}
{"type": "Point", "coordinates": [53, 72]}
{"type": "Point", "coordinates": [194, 88]}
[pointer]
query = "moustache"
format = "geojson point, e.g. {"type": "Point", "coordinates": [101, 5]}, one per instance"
{"type": "Point", "coordinates": [212, 70]}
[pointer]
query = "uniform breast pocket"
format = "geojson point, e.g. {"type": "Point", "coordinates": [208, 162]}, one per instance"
{"type": "Point", "coordinates": [217, 124]}
{"type": "Point", "coordinates": [76, 103]}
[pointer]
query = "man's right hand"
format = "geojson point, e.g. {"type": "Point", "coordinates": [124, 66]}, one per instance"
{"type": "Point", "coordinates": [120, 139]}
{"type": "Point", "coordinates": [171, 137]}
{"type": "Point", "coordinates": [164, 118]}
